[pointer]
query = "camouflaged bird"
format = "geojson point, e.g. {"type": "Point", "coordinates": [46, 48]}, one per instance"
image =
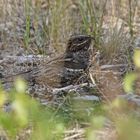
{"type": "Point", "coordinates": [65, 69]}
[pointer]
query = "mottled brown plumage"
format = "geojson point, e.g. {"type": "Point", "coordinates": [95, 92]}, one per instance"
{"type": "Point", "coordinates": [65, 69]}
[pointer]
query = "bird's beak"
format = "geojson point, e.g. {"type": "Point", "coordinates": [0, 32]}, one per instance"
{"type": "Point", "coordinates": [91, 37]}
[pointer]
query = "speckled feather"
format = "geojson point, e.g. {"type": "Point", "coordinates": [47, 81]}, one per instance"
{"type": "Point", "coordinates": [63, 70]}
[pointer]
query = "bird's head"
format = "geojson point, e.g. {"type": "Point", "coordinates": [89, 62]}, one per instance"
{"type": "Point", "coordinates": [79, 42]}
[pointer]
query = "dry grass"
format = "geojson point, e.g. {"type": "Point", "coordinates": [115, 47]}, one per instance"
{"type": "Point", "coordinates": [43, 27]}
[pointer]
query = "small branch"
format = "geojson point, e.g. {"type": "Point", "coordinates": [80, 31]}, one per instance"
{"type": "Point", "coordinates": [71, 88]}
{"type": "Point", "coordinates": [113, 66]}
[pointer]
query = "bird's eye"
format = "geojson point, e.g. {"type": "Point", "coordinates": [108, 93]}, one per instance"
{"type": "Point", "coordinates": [80, 39]}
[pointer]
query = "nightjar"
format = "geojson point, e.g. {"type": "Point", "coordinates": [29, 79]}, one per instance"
{"type": "Point", "coordinates": [65, 69]}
